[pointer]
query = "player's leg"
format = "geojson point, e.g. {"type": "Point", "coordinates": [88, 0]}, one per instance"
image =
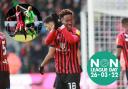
{"type": "Point", "coordinates": [33, 30]}
{"type": "Point", "coordinates": [73, 81]}
{"type": "Point", "coordinates": [26, 27]}
{"type": "Point", "coordinates": [127, 75]}
{"type": "Point", "coordinates": [59, 83]}
{"type": "Point", "coordinates": [1, 79]}
{"type": "Point", "coordinates": [20, 27]}
{"type": "Point", "coordinates": [54, 85]}
{"type": "Point", "coordinates": [4, 80]}
{"type": "Point", "coordinates": [120, 79]}
{"type": "Point", "coordinates": [17, 28]}
{"type": "Point", "coordinates": [8, 28]}
{"type": "Point", "coordinates": [25, 33]}
{"type": "Point", "coordinates": [29, 29]}
{"type": "Point", "coordinates": [7, 80]}
{"type": "Point", "coordinates": [23, 30]}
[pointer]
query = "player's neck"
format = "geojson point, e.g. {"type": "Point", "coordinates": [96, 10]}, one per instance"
{"type": "Point", "coordinates": [69, 29]}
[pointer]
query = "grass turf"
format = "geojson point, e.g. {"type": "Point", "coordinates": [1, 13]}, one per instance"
{"type": "Point", "coordinates": [21, 38]}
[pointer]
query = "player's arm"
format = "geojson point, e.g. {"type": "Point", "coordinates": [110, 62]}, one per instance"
{"type": "Point", "coordinates": [48, 57]}
{"type": "Point", "coordinates": [22, 7]}
{"type": "Point", "coordinates": [50, 37]}
{"type": "Point", "coordinates": [25, 13]}
{"type": "Point", "coordinates": [70, 37]}
{"type": "Point", "coordinates": [33, 14]}
{"type": "Point", "coordinates": [118, 52]}
{"type": "Point", "coordinates": [119, 44]}
{"type": "Point", "coordinates": [9, 17]}
{"type": "Point", "coordinates": [79, 56]}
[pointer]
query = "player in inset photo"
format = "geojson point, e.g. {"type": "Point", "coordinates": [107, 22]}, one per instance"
{"type": "Point", "coordinates": [20, 20]}
{"type": "Point", "coordinates": [29, 21]}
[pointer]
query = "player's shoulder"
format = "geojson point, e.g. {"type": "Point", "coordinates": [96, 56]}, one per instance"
{"type": "Point", "coordinates": [120, 38]}
{"type": "Point", "coordinates": [32, 11]}
{"type": "Point", "coordinates": [76, 31]}
{"type": "Point", "coordinates": [120, 34]}
{"type": "Point", "coordinates": [74, 28]}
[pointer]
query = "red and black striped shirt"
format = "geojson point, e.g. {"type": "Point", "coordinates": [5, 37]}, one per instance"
{"type": "Point", "coordinates": [4, 66]}
{"type": "Point", "coordinates": [19, 16]}
{"type": "Point", "coordinates": [66, 44]}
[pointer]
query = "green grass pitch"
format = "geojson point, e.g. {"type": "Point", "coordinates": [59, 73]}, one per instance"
{"type": "Point", "coordinates": [21, 38]}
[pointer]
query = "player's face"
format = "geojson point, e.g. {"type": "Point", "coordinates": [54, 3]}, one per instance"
{"type": "Point", "coordinates": [29, 8]}
{"type": "Point", "coordinates": [125, 27]}
{"type": "Point", "coordinates": [67, 20]}
{"type": "Point", "coordinates": [49, 26]}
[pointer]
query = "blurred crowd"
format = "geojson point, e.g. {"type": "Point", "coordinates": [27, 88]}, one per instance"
{"type": "Point", "coordinates": [32, 53]}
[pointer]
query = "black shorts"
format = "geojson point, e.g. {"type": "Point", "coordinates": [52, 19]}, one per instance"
{"type": "Point", "coordinates": [54, 85]}
{"type": "Point", "coordinates": [30, 25]}
{"type": "Point", "coordinates": [67, 81]}
{"type": "Point", "coordinates": [4, 80]}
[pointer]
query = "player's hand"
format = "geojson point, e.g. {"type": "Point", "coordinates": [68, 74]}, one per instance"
{"type": "Point", "coordinates": [56, 20]}
{"type": "Point", "coordinates": [41, 70]}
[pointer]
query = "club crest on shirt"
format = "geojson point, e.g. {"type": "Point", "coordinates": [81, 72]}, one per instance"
{"type": "Point", "coordinates": [62, 45]}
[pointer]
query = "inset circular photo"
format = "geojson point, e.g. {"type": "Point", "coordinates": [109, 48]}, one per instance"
{"type": "Point", "coordinates": [23, 22]}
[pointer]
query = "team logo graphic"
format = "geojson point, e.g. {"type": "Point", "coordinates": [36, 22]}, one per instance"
{"type": "Point", "coordinates": [103, 66]}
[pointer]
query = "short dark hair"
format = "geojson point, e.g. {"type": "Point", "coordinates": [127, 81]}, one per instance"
{"type": "Point", "coordinates": [65, 12]}
{"type": "Point", "coordinates": [18, 8]}
{"type": "Point", "coordinates": [124, 20]}
{"type": "Point", "coordinates": [48, 19]}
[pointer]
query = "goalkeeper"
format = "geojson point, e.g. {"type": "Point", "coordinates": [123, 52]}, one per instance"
{"type": "Point", "coordinates": [29, 21]}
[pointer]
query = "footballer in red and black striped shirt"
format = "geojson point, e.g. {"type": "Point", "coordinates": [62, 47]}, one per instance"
{"type": "Point", "coordinates": [20, 21]}
{"type": "Point", "coordinates": [66, 41]}
{"type": "Point", "coordinates": [4, 66]}
{"type": "Point", "coordinates": [122, 44]}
